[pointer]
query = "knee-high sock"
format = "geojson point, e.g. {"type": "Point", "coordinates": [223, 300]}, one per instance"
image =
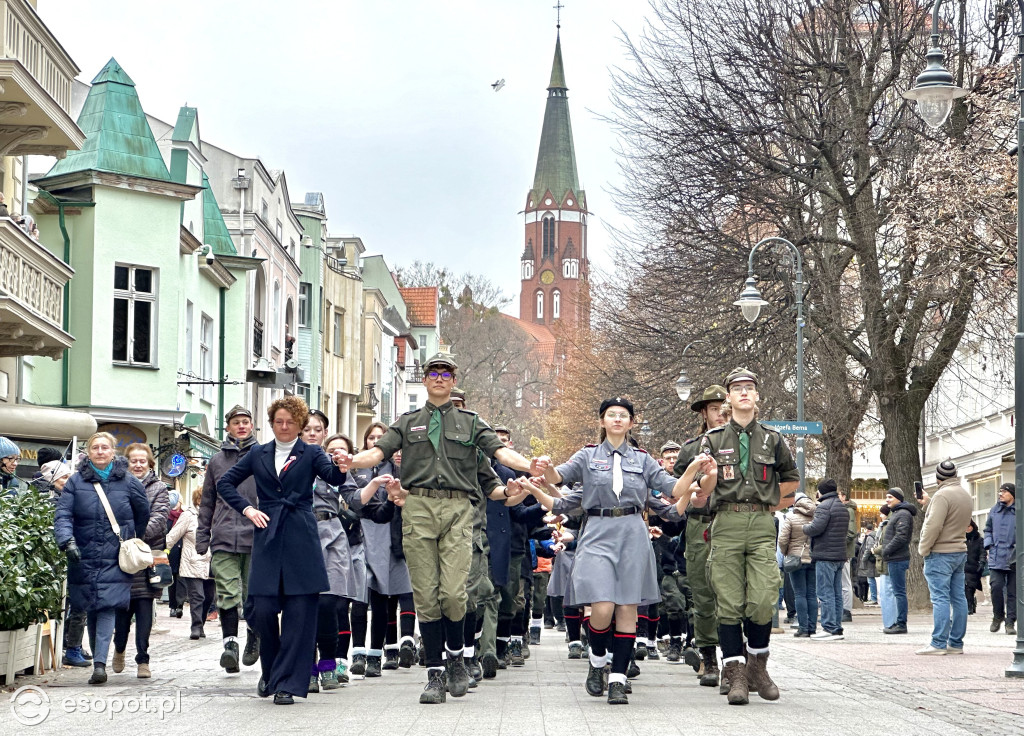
{"type": "Point", "coordinates": [622, 650]}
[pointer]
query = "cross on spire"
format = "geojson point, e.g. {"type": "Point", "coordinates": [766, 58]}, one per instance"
{"type": "Point", "coordinates": [558, 9]}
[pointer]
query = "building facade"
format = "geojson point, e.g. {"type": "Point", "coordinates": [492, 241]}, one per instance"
{"type": "Point", "coordinates": [342, 320]}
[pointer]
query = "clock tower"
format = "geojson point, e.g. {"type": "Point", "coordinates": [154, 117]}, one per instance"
{"type": "Point", "coordinates": [555, 269]}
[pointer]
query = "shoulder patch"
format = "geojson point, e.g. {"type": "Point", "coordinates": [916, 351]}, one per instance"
{"type": "Point", "coordinates": [640, 449]}
{"type": "Point", "coordinates": [768, 429]}
{"type": "Point", "coordinates": [466, 411]}
{"type": "Point", "coordinates": [716, 429]}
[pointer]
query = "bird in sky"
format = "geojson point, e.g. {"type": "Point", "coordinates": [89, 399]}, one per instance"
{"type": "Point", "coordinates": [498, 85]}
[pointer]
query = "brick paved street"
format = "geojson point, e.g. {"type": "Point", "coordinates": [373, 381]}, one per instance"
{"type": "Point", "coordinates": [867, 684]}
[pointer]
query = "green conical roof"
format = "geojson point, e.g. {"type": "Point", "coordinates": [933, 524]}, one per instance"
{"type": "Point", "coordinates": [118, 138]}
{"type": "Point", "coordinates": [186, 127]}
{"type": "Point", "coordinates": [215, 232]}
{"type": "Point", "coordinates": [556, 159]}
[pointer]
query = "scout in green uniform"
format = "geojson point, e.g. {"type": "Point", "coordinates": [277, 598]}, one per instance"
{"type": "Point", "coordinates": [705, 622]}
{"type": "Point", "coordinates": [753, 470]}
{"type": "Point", "coordinates": [440, 466]}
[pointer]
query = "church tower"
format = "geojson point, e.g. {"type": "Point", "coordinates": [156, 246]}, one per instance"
{"type": "Point", "coordinates": [555, 268]}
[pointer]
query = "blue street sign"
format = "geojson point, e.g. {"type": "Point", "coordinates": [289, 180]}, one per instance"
{"type": "Point", "coordinates": [788, 427]}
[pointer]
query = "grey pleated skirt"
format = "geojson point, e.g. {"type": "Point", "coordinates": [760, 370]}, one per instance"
{"type": "Point", "coordinates": [615, 562]}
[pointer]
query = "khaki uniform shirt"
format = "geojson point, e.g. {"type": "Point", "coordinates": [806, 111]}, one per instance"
{"type": "Point", "coordinates": [770, 463]}
{"type": "Point", "coordinates": [455, 464]}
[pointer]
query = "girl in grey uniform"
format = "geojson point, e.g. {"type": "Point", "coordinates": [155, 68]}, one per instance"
{"type": "Point", "coordinates": [615, 569]}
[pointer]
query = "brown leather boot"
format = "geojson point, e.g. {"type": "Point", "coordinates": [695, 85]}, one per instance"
{"type": "Point", "coordinates": [737, 674]}
{"type": "Point", "coordinates": [757, 676]}
{"type": "Point", "coordinates": [709, 677]}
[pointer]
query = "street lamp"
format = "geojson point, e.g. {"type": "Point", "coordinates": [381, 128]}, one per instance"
{"type": "Point", "coordinates": [683, 384]}
{"type": "Point", "coordinates": [1016, 668]}
{"type": "Point", "coordinates": [750, 303]}
{"type": "Point", "coordinates": [934, 89]}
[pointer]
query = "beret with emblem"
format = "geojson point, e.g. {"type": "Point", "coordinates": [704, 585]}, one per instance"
{"type": "Point", "coordinates": [440, 359]}
{"type": "Point", "coordinates": [711, 393]}
{"type": "Point", "coordinates": [740, 374]}
{"type": "Point", "coordinates": [617, 401]}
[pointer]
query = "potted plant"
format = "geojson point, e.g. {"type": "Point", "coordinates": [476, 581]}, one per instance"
{"type": "Point", "coordinates": [32, 574]}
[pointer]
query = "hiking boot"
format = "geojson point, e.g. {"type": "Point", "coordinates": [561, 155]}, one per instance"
{"type": "Point", "coordinates": [358, 664]}
{"type": "Point", "coordinates": [329, 680]}
{"type": "Point", "coordinates": [458, 677]}
{"type": "Point", "coordinates": [663, 645]}
{"type": "Point", "coordinates": [406, 654]}
{"type": "Point", "coordinates": [692, 657]}
{"type": "Point", "coordinates": [99, 674]}
{"type": "Point", "coordinates": [652, 653]}
{"type": "Point", "coordinates": [474, 681]}
{"type": "Point", "coordinates": [390, 659]}
{"type": "Point", "coordinates": [737, 673]}
{"type": "Point", "coordinates": [197, 632]}
{"type": "Point", "coordinates": [373, 665]}
{"type": "Point", "coordinates": [526, 649]}
{"type": "Point", "coordinates": [118, 662]}
{"type": "Point", "coordinates": [251, 654]}
{"type": "Point", "coordinates": [314, 683]}
{"type": "Point", "coordinates": [632, 670]}
{"type": "Point", "coordinates": [229, 657]}
{"type": "Point", "coordinates": [617, 694]}
{"type": "Point", "coordinates": [534, 635]}
{"type": "Point", "coordinates": [475, 671]}
{"type": "Point", "coordinates": [895, 629]}
{"type": "Point", "coordinates": [1010, 628]}
{"type": "Point", "coordinates": [640, 653]}
{"type": "Point", "coordinates": [575, 650]}
{"type": "Point", "coordinates": [675, 652]}
{"type": "Point", "coordinates": [997, 622]}
{"type": "Point", "coordinates": [710, 676]}
{"type": "Point", "coordinates": [434, 692]}
{"type": "Point", "coordinates": [73, 658]}
{"type": "Point", "coordinates": [757, 676]}
{"type": "Point", "coordinates": [515, 653]}
{"type": "Point", "coordinates": [143, 672]}
{"type": "Point", "coordinates": [489, 666]}
{"type": "Point", "coordinates": [341, 671]}
{"type": "Point", "coordinates": [595, 681]}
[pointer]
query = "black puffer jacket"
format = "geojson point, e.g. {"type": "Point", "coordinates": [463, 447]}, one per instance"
{"type": "Point", "coordinates": [156, 531]}
{"type": "Point", "coordinates": [221, 528]}
{"type": "Point", "coordinates": [827, 531]}
{"type": "Point", "coordinates": [975, 559]}
{"type": "Point", "coordinates": [897, 534]}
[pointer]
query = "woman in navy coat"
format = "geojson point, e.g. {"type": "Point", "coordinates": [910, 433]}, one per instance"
{"type": "Point", "coordinates": [287, 573]}
{"type": "Point", "coordinates": [96, 583]}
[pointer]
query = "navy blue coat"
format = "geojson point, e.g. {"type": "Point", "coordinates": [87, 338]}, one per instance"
{"type": "Point", "coordinates": [97, 581]}
{"type": "Point", "coordinates": [1001, 536]}
{"type": "Point", "coordinates": [499, 530]}
{"type": "Point", "coordinates": [286, 556]}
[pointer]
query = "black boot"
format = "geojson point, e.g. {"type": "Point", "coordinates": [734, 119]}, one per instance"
{"type": "Point", "coordinates": [99, 674]}
{"type": "Point", "coordinates": [251, 654]}
{"type": "Point", "coordinates": [406, 654]}
{"type": "Point", "coordinates": [197, 632]}
{"type": "Point", "coordinates": [390, 659]}
{"type": "Point", "coordinates": [434, 692]}
{"type": "Point", "coordinates": [229, 657]}
{"type": "Point", "coordinates": [358, 664]}
{"type": "Point", "coordinates": [595, 681]}
{"type": "Point", "coordinates": [515, 650]}
{"type": "Point", "coordinates": [617, 694]}
{"type": "Point", "coordinates": [373, 665]}
{"type": "Point", "coordinates": [458, 677]}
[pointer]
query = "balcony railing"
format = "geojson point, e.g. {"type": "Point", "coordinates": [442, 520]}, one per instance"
{"type": "Point", "coordinates": [257, 337]}
{"type": "Point", "coordinates": [26, 39]}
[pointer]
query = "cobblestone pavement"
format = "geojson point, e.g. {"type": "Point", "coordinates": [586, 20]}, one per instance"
{"type": "Point", "coordinates": [869, 683]}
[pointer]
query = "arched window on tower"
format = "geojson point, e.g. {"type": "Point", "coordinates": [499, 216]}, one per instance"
{"type": "Point", "coordinates": [556, 304]}
{"type": "Point", "coordinates": [548, 237]}
{"type": "Point", "coordinates": [540, 304]}
{"type": "Point", "coordinates": [527, 270]}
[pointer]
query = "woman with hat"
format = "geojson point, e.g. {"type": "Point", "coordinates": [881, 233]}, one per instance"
{"type": "Point", "coordinates": [10, 454]}
{"type": "Point", "coordinates": [615, 569]}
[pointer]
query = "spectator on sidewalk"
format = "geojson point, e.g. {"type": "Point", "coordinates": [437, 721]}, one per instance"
{"type": "Point", "coordinates": [886, 602]}
{"type": "Point", "coordinates": [1001, 543]}
{"type": "Point", "coordinates": [827, 533]}
{"type": "Point", "coordinates": [943, 546]}
{"type": "Point", "coordinates": [194, 568]}
{"type": "Point", "coordinates": [851, 555]}
{"type": "Point", "coordinates": [973, 568]}
{"type": "Point", "coordinates": [896, 553]}
{"type": "Point", "coordinates": [793, 542]}
{"type": "Point", "coordinates": [10, 454]}
{"type": "Point", "coordinates": [866, 567]}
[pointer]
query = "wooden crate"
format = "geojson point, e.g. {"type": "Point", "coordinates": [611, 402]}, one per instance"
{"type": "Point", "coordinates": [18, 651]}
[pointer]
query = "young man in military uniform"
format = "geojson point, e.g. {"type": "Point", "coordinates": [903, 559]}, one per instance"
{"type": "Point", "coordinates": [439, 445]}
{"type": "Point", "coordinates": [705, 621]}
{"type": "Point", "coordinates": [753, 471]}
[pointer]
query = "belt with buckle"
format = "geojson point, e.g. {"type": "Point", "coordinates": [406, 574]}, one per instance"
{"type": "Point", "coordinates": [744, 507]}
{"type": "Point", "coordinates": [617, 511]}
{"type": "Point", "coordinates": [325, 515]}
{"type": "Point", "coordinates": [438, 493]}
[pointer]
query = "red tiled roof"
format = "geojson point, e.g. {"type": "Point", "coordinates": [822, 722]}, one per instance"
{"type": "Point", "coordinates": [421, 305]}
{"type": "Point", "coordinates": [544, 341]}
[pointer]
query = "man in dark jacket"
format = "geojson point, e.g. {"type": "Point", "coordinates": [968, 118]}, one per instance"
{"type": "Point", "coordinates": [1001, 543]}
{"type": "Point", "coordinates": [896, 553]}
{"type": "Point", "coordinates": [827, 532]}
{"type": "Point", "coordinates": [230, 534]}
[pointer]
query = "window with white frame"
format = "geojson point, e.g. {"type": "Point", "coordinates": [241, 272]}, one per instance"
{"type": "Point", "coordinates": [279, 232]}
{"type": "Point", "coordinates": [339, 333]}
{"type": "Point", "coordinates": [189, 321]}
{"type": "Point", "coordinates": [206, 355]}
{"type": "Point", "coordinates": [527, 270]}
{"type": "Point", "coordinates": [134, 340]}
{"type": "Point", "coordinates": [570, 268]}
{"type": "Point", "coordinates": [556, 304]}
{"type": "Point", "coordinates": [540, 304]}
{"type": "Point", "coordinates": [304, 303]}
{"type": "Point", "coordinates": [264, 210]}
{"type": "Point", "coordinates": [423, 349]}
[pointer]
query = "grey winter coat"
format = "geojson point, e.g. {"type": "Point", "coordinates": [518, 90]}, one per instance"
{"type": "Point", "coordinates": [156, 531]}
{"type": "Point", "coordinates": [866, 567]}
{"type": "Point", "coordinates": [827, 531]}
{"type": "Point", "coordinates": [221, 528]}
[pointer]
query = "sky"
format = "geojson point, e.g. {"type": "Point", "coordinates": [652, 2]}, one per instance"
{"type": "Point", "coordinates": [386, 107]}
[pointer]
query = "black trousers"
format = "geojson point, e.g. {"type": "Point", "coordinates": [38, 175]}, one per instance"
{"type": "Point", "coordinates": [142, 608]}
{"type": "Point", "coordinates": [286, 625]}
{"type": "Point", "coordinates": [385, 619]}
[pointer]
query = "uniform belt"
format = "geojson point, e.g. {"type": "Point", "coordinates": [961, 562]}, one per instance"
{"type": "Point", "coordinates": [325, 515]}
{"type": "Point", "coordinates": [743, 507]}
{"type": "Point", "coordinates": [617, 511]}
{"type": "Point", "coordinates": [438, 493]}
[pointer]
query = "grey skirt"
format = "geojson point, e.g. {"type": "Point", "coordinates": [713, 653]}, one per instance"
{"type": "Point", "coordinates": [561, 573]}
{"type": "Point", "coordinates": [346, 566]}
{"type": "Point", "coordinates": [615, 562]}
{"type": "Point", "coordinates": [386, 574]}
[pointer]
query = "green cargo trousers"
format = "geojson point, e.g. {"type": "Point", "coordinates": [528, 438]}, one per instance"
{"type": "Point", "coordinates": [705, 620]}
{"type": "Point", "coordinates": [478, 586]}
{"type": "Point", "coordinates": [673, 595]}
{"type": "Point", "coordinates": [437, 534]}
{"type": "Point", "coordinates": [230, 572]}
{"type": "Point", "coordinates": [742, 568]}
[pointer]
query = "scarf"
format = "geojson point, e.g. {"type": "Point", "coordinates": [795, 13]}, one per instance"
{"type": "Point", "coordinates": [104, 473]}
{"type": "Point", "coordinates": [242, 444]}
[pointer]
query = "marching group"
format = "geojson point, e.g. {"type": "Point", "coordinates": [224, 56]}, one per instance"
{"type": "Point", "coordinates": [437, 524]}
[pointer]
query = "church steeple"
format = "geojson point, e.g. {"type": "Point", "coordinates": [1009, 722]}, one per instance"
{"type": "Point", "coordinates": [556, 158]}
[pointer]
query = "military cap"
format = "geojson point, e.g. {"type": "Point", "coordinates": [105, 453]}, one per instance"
{"type": "Point", "coordinates": [670, 446]}
{"type": "Point", "coordinates": [740, 374]}
{"type": "Point", "coordinates": [617, 401]}
{"type": "Point", "coordinates": [502, 428]}
{"type": "Point", "coordinates": [237, 411]}
{"type": "Point", "coordinates": [458, 394]}
{"type": "Point", "coordinates": [439, 359]}
{"type": "Point", "coordinates": [711, 393]}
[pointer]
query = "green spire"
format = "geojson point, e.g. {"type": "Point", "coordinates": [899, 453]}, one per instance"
{"type": "Point", "coordinates": [215, 232]}
{"type": "Point", "coordinates": [556, 159]}
{"type": "Point", "coordinates": [186, 127]}
{"type": "Point", "coordinates": [118, 138]}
